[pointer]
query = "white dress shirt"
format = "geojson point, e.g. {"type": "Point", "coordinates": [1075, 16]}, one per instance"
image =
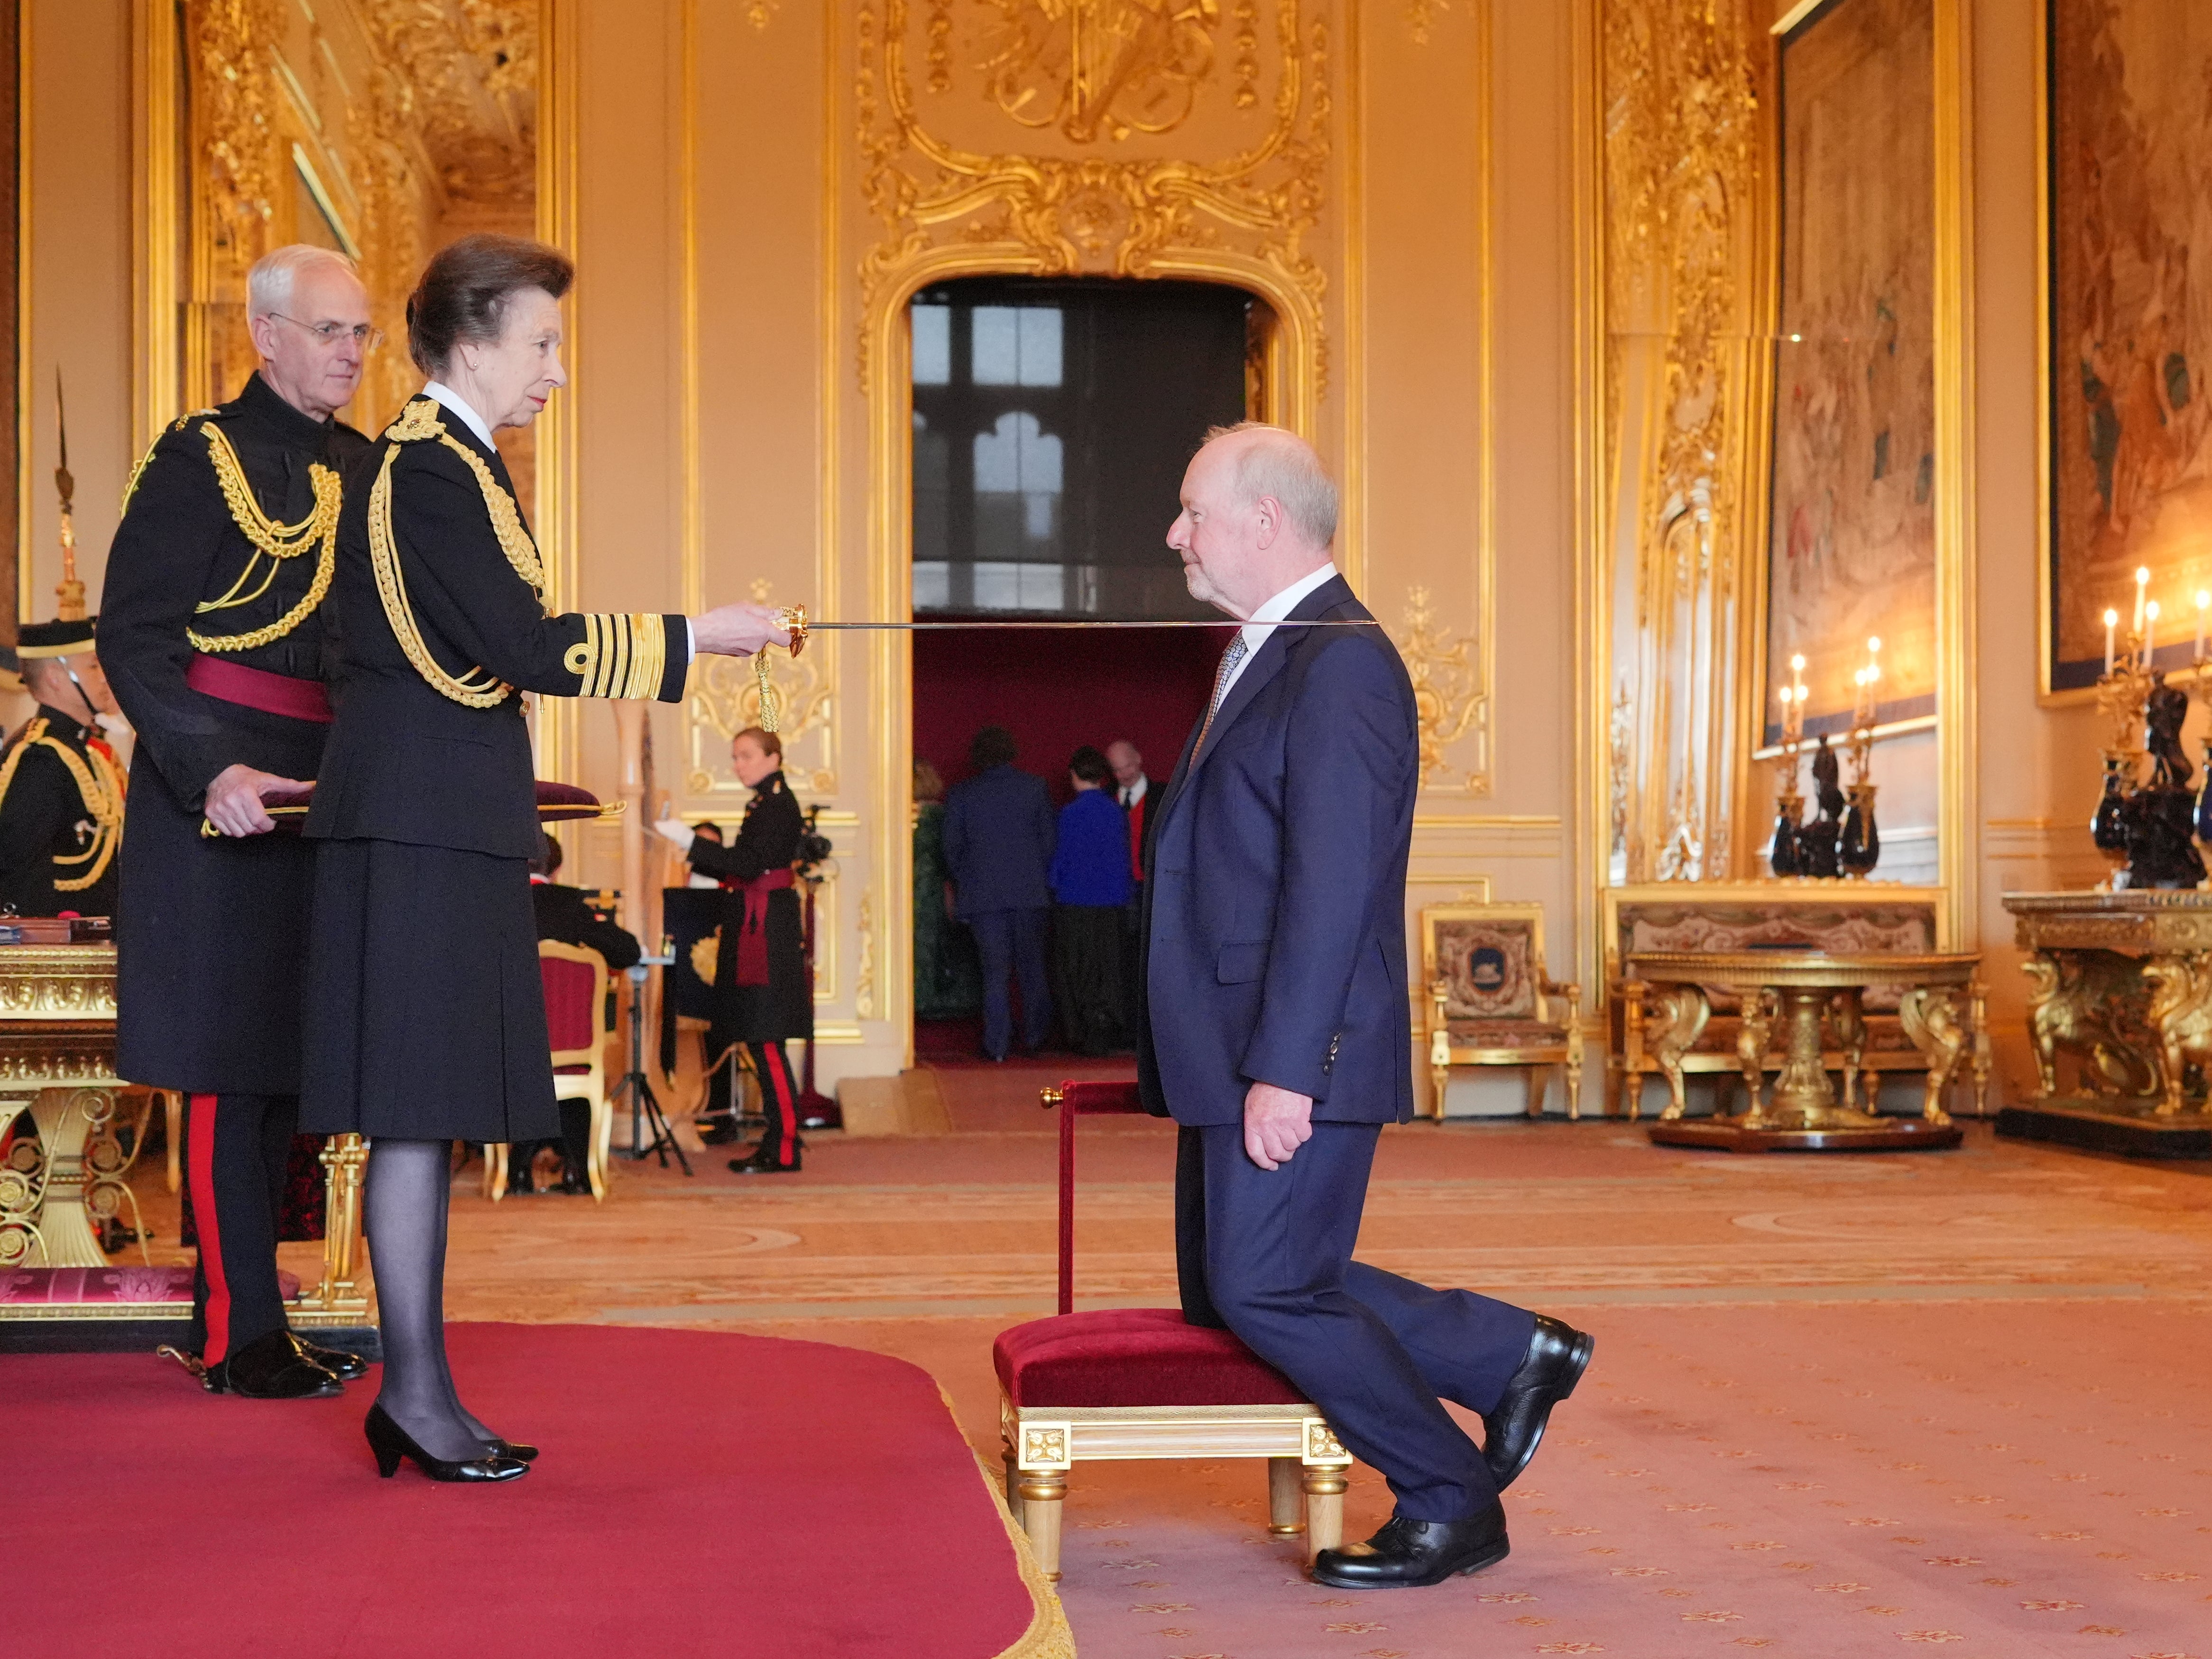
{"type": "Point", "coordinates": [1133, 792]}
{"type": "Point", "coordinates": [1263, 620]}
{"type": "Point", "coordinates": [439, 392]}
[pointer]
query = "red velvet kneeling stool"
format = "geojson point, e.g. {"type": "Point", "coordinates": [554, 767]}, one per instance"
{"type": "Point", "coordinates": [1126, 1383]}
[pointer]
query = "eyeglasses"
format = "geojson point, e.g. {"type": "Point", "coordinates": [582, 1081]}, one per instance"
{"type": "Point", "coordinates": [362, 334]}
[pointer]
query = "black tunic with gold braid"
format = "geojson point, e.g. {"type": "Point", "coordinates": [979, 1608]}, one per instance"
{"type": "Point", "coordinates": [426, 1015]}
{"type": "Point", "coordinates": [216, 578]}
{"type": "Point", "coordinates": [61, 814]}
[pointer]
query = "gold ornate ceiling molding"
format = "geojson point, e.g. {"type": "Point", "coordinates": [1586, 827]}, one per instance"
{"type": "Point", "coordinates": [465, 85]}
{"type": "Point", "coordinates": [235, 95]}
{"type": "Point", "coordinates": [1035, 144]}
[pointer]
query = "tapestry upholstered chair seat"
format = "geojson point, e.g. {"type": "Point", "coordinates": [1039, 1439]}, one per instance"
{"type": "Point", "coordinates": [1490, 1003]}
{"type": "Point", "coordinates": [575, 978]}
{"type": "Point", "coordinates": [1131, 1382]}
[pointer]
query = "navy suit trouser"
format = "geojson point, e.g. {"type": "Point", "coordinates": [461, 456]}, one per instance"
{"type": "Point", "coordinates": [1011, 945]}
{"type": "Point", "coordinates": [1268, 1255]}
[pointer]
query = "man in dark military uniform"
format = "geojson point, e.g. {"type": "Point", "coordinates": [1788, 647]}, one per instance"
{"type": "Point", "coordinates": [213, 639]}
{"type": "Point", "coordinates": [61, 788]}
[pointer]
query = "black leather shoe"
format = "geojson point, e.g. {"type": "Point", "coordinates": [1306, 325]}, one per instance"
{"type": "Point", "coordinates": [271, 1368]}
{"type": "Point", "coordinates": [1406, 1553]}
{"type": "Point", "coordinates": [760, 1164]}
{"type": "Point", "coordinates": [1558, 1356]}
{"type": "Point", "coordinates": [346, 1367]}
{"type": "Point", "coordinates": [390, 1443]}
{"type": "Point", "coordinates": [515, 1450]}
{"type": "Point", "coordinates": [721, 1130]}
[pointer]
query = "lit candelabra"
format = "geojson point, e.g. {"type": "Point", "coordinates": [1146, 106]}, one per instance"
{"type": "Point", "coordinates": [2147, 826]}
{"type": "Point", "coordinates": [1858, 848]}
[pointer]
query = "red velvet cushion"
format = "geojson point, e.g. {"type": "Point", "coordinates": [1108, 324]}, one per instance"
{"type": "Point", "coordinates": [120, 1284]}
{"type": "Point", "coordinates": [1133, 1356]}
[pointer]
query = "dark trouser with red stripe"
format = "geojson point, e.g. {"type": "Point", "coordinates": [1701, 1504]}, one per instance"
{"type": "Point", "coordinates": [779, 1141]}
{"type": "Point", "coordinates": [236, 1148]}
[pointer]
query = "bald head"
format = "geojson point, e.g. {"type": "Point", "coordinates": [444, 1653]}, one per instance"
{"type": "Point", "coordinates": [1259, 513]}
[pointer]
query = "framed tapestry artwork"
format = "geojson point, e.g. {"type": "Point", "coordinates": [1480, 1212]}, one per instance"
{"type": "Point", "coordinates": [2128, 174]}
{"type": "Point", "coordinates": [1852, 539]}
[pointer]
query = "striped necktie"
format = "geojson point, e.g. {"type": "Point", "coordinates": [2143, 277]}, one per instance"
{"type": "Point", "coordinates": [1230, 658]}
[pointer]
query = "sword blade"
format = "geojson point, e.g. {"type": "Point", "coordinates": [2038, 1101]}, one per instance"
{"type": "Point", "coordinates": [933, 627]}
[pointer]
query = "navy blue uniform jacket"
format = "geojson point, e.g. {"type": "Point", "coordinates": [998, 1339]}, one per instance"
{"type": "Point", "coordinates": [999, 829]}
{"type": "Point", "coordinates": [1275, 910]}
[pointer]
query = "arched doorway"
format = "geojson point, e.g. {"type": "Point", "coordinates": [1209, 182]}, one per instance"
{"type": "Point", "coordinates": [1052, 421]}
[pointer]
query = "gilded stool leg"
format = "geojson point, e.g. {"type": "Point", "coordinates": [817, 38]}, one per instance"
{"type": "Point", "coordinates": [1324, 1489]}
{"type": "Point", "coordinates": [1284, 1518]}
{"type": "Point", "coordinates": [1042, 1491]}
{"type": "Point", "coordinates": [1013, 1484]}
{"type": "Point", "coordinates": [495, 1175]}
{"type": "Point", "coordinates": [172, 1107]}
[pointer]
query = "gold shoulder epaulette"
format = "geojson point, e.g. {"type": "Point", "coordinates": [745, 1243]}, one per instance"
{"type": "Point", "coordinates": [130, 484]}
{"type": "Point", "coordinates": [417, 420]}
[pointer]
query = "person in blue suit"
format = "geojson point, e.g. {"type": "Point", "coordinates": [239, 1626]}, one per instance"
{"type": "Point", "coordinates": [998, 847]}
{"type": "Point", "coordinates": [1091, 883]}
{"type": "Point", "coordinates": [1276, 1032]}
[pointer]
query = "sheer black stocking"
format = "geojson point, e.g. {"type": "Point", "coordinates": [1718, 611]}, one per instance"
{"type": "Point", "coordinates": [403, 1210]}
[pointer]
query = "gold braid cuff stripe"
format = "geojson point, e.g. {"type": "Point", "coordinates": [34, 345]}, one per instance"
{"type": "Point", "coordinates": [278, 541]}
{"type": "Point", "coordinates": [621, 655]}
{"type": "Point", "coordinates": [102, 791]}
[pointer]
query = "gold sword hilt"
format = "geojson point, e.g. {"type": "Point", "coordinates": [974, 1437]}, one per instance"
{"type": "Point", "coordinates": [792, 620]}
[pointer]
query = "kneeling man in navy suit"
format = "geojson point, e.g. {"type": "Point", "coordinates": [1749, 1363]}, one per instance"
{"type": "Point", "coordinates": [1276, 1028]}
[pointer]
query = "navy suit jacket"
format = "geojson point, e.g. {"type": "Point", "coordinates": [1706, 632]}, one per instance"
{"type": "Point", "coordinates": [999, 832]}
{"type": "Point", "coordinates": [1274, 913]}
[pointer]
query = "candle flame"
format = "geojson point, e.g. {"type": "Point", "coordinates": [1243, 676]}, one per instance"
{"type": "Point", "coordinates": [2142, 576]}
{"type": "Point", "coordinates": [2112, 619]}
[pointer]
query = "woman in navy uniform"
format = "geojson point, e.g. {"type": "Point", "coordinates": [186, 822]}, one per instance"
{"type": "Point", "coordinates": [426, 1015]}
{"type": "Point", "coordinates": [763, 995]}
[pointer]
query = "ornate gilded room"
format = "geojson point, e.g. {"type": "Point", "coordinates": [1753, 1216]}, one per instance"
{"type": "Point", "coordinates": [1574, 632]}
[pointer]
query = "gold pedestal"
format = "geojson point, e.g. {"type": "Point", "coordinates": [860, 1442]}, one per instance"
{"type": "Point", "coordinates": [1809, 996]}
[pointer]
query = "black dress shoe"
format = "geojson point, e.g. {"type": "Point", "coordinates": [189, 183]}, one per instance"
{"type": "Point", "coordinates": [760, 1164]}
{"type": "Point", "coordinates": [390, 1443]}
{"type": "Point", "coordinates": [1406, 1553]}
{"type": "Point", "coordinates": [346, 1367]}
{"type": "Point", "coordinates": [515, 1450]}
{"type": "Point", "coordinates": [1558, 1356]}
{"type": "Point", "coordinates": [271, 1368]}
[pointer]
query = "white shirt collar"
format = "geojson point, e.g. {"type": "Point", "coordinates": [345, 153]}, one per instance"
{"type": "Point", "coordinates": [1132, 792]}
{"type": "Point", "coordinates": [475, 422]}
{"type": "Point", "coordinates": [1273, 610]}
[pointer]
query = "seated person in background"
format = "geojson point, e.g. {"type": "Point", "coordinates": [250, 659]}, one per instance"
{"type": "Point", "coordinates": [61, 785]}
{"type": "Point", "coordinates": [1090, 876]}
{"type": "Point", "coordinates": [565, 917]}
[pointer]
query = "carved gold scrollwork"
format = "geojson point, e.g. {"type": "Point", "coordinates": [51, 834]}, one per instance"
{"type": "Point", "coordinates": [1068, 75]}
{"type": "Point", "coordinates": [1449, 696]}
{"type": "Point", "coordinates": [1421, 16]}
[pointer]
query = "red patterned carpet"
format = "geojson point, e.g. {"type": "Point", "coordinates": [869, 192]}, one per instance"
{"type": "Point", "coordinates": [698, 1493]}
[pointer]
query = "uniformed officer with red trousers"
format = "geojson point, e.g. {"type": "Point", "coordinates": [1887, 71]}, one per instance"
{"type": "Point", "coordinates": [213, 640]}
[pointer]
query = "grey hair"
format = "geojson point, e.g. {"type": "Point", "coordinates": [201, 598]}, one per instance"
{"type": "Point", "coordinates": [1281, 464]}
{"type": "Point", "coordinates": [269, 284]}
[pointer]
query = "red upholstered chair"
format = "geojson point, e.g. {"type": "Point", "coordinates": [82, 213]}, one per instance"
{"type": "Point", "coordinates": [575, 978]}
{"type": "Point", "coordinates": [1126, 1383]}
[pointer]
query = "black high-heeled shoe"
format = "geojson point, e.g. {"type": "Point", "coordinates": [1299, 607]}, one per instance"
{"type": "Point", "coordinates": [390, 1443]}
{"type": "Point", "coordinates": [520, 1453]}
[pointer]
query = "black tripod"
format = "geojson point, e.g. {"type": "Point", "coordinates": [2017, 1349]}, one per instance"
{"type": "Point", "coordinates": [644, 1106]}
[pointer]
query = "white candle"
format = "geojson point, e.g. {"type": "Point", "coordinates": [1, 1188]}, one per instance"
{"type": "Point", "coordinates": [2203, 600]}
{"type": "Point", "coordinates": [2143, 584]}
{"type": "Point", "coordinates": [2149, 629]}
{"type": "Point", "coordinates": [2111, 622]}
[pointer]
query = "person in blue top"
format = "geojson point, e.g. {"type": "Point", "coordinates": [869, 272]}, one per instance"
{"type": "Point", "coordinates": [1090, 886]}
{"type": "Point", "coordinates": [998, 847]}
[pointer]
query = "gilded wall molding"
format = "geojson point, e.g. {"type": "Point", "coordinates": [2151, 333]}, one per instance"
{"type": "Point", "coordinates": [1030, 205]}
{"type": "Point", "coordinates": [1451, 691]}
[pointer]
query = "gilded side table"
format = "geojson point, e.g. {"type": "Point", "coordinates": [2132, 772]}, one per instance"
{"type": "Point", "coordinates": [1802, 998]}
{"type": "Point", "coordinates": [59, 1186]}
{"type": "Point", "coordinates": [2121, 985]}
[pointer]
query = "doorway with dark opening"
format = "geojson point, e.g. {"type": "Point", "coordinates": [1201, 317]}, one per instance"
{"type": "Point", "coordinates": [1053, 420]}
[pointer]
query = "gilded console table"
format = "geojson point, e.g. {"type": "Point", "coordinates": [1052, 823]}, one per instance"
{"type": "Point", "coordinates": [58, 1186]}
{"type": "Point", "coordinates": [2122, 984]}
{"type": "Point", "coordinates": [1801, 997]}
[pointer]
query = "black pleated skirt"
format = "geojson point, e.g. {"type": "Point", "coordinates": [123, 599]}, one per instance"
{"type": "Point", "coordinates": [425, 1012]}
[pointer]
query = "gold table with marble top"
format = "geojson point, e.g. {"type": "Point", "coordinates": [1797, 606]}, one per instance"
{"type": "Point", "coordinates": [62, 1186]}
{"type": "Point", "coordinates": [2122, 983]}
{"type": "Point", "coordinates": [1801, 997]}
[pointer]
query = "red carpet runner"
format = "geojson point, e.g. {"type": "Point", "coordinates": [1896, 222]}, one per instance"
{"type": "Point", "coordinates": [697, 1494]}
